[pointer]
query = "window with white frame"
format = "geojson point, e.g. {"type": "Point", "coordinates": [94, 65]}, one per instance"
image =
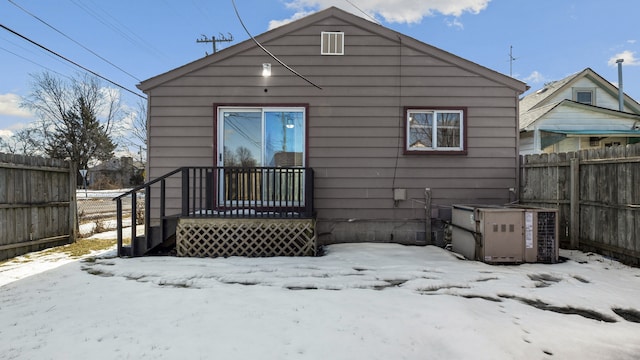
{"type": "Point", "coordinates": [332, 43]}
{"type": "Point", "coordinates": [435, 130]}
{"type": "Point", "coordinates": [584, 96]}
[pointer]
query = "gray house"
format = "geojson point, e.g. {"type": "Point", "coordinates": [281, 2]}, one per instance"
{"type": "Point", "coordinates": [374, 140]}
{"type": "Point", "coordinates": [116, 173]}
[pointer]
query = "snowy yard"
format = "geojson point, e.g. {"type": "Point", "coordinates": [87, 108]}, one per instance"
{"type": "Point", "coordinates": [359, 301]}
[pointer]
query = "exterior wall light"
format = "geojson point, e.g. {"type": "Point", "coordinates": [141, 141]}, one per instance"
{"type": "Point", "coordinates": [266, 69]}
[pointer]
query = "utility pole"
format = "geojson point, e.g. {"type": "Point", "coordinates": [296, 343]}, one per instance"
{"type": "Point", "coordinates": [214, 40]}
{"type": "Point", "coordinates": [511, 60]}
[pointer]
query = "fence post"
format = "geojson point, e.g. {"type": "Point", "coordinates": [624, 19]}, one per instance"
{"type": "Point", "coordinates": [308, 191]}
{"type": "Point", "coordinates": [574, 219]}
{"type": "Point", "coordinates": [73, 204]}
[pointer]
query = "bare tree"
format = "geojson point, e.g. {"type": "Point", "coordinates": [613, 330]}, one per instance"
{"type": "Point", "coordinates": [24, 142]}
{"type": "Point", "coordinates": [132, 132]}
{"type": "Point", "coordinates": [246, 157]}
{"type": "Point", "coordinates": [139, 126]}
{"type": "Point", "coordinates": [230, 158]}
{"type": "Point", "coordinates": [241, 157]}
{"type": "Point", "coordinates": [75, 117]}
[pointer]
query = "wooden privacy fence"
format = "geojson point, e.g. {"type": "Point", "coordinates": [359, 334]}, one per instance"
{"type": "Point", "coordinates": [37, 204]}
{"type": "Point", "coordinates": [597, 193]}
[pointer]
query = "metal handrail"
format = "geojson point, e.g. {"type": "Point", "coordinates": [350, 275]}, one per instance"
{"type": "Point", "coordinates": [147, 208]}
{"type": "Point", "coordinates": [147, 184]}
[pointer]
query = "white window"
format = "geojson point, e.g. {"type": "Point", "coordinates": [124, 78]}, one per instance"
{"type": "Point", "coordinates": [332, 43]}
{"type": "Point", "coordinates": [584, 96]}
{"type": "Point", "coordinates": [431, 130]}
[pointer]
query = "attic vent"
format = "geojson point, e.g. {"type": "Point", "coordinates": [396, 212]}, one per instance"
{"type": "Point", "coordinates": [332, 43]}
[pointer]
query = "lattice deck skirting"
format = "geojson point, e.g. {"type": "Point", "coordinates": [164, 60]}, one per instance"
{"type": "Point", "coordinates": [214, 237]}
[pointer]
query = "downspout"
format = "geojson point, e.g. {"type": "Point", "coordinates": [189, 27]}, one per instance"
{"type": "Point", "coordinates": [518, 156]}
{"type": "Point", "coordinates": [147, 167]}
{"type": "Point", "coordinates": [620, 91]}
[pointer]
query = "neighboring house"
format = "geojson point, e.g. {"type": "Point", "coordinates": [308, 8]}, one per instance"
{"type": "Point", "coordinates": [387, 123]}
{"type": "Point", "coordinates": [116, 173]}
{"type": "Point", "coordinates": [581, 111]}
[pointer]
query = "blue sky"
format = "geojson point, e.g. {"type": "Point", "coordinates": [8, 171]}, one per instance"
{"type": "Point", "coordinates": [144, 38]}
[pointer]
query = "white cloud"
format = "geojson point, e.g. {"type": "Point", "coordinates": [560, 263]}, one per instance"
{"type": "Point", "coordinates": [10, 106]}
{"type": "Point", "coordinates": [109, 95]}
{"type": "Point", "coordinates": [6, 133]}
{"type": "Point", "coordinates": [10, 130]}
{"type": "Point", "coordinates": [535, 78]}
{"type": "Point", "coordinates": [633, 41]}
{"type": "Point", "coordinates": [393, 11]}
{"type": "Point", "coordinates": [454, 23]}
{"type": "Point", "coordinates": [628, 56]}
{"type": "Point", "coordinates": [124, 127]}
{"type": "Point", "coordinates": [298, 15]}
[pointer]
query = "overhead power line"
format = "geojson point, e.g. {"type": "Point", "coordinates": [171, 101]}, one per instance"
{"type": "Point", "coordinates": [36, 52]}
{"type": "Point", "coordinates": [71, 61]}
{"type": "Point", "coordinates": [118, 27]}
{"type": "Point", "coordinates": [68, 37]}
{"type": "Point", "coordinates": [33, 62]}
{"type": "Point", "coordinates": [267, 51]}
{"type": "Point", "coordinates": [364, 12]}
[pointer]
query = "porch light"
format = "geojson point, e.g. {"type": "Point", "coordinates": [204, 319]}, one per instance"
{"type": "Point", "coordinates": [266, 69]}
{"type": "Point", "coordinates": [290, 123]}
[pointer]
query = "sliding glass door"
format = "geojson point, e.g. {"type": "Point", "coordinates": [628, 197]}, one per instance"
{"type": "Point", "coordinates": [262, 151]}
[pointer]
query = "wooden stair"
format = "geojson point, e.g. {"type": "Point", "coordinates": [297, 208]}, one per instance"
{"type": "Point", "coordinates": [161, 239]}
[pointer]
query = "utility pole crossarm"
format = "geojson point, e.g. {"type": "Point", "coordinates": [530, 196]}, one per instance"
{"type": "Point", "coordinates": [213, 40]}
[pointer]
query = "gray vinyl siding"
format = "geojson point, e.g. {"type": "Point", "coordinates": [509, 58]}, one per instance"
{"type": "Point", "coordinates": [355, 123]}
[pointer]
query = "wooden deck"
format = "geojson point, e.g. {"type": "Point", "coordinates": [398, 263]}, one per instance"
{"type": "Point", "coordinates": [229, 211]}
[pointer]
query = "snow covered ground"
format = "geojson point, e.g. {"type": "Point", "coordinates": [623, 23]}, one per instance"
{"type": "Point", "coordinates": [109, 194]}
{"type": "Point", "coordinates": [359, 301]}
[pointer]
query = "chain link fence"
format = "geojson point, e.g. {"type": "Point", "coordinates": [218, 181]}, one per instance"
{"type": "Point", "coordinates": [97, 210]}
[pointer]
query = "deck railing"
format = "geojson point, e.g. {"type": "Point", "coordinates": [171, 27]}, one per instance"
{"type": "Point", "coordinates": [256, 192]}
{"type": "Point", "coordinates": [279, 192]}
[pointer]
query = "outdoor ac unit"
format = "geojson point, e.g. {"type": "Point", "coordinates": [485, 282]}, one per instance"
{"type": "Point", "coordinates": [541, 235]}
{"type": "Point", "coordinates": [498, 234]}
{"type": "Point", "coordinates": [489, 234]}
